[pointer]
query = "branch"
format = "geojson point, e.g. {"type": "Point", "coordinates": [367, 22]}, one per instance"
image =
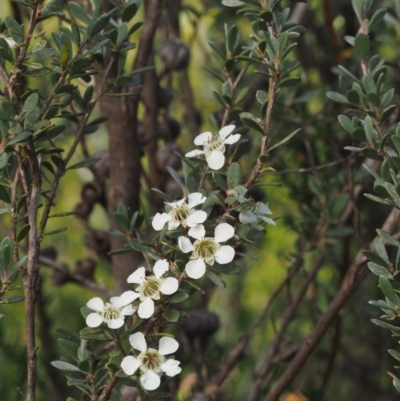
{"type": "Point", "coordinates": [355, 275]}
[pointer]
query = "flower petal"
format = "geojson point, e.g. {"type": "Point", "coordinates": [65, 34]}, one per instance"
{"type": "Point", "coordinates": [247, 217]}
{"type": "Point", "coordinates": [146, 308]}
{"type": "Point", "coordinates": [232, 139]}
{"type": "Point", "coordinates": [115, 323]}
{"type": "Point", "coordinates": [195, 268]}
{"type": "Point", "coordinates": [197, 232]}
{"type": "Point", "coordinates": [138, 276]}
{"type": "Point", "coordinates": [128, 297]}
{"type": "Point", "coordinates": [195, 198]}
{"type": "Point", "coordinates": [167, 345]}
{"type": "Point", "coordinates": [223, 232]}
{"type": "Point", "coordinates": [215, 160]}
{"type": "Point", "coordinates": [160, 267]}
{"type": "Point", "coordinates": [196, 217]}
{"type": "Point", "coordinates": [202, 138]}
{"type": "Point", "coordinates": [184, 244]}
{"type": "Point", "coordinates": [138, 341]}
{"type": "Point", "coordinates": [169, 286]}
{"type": "Point", "coordinates": [226, 131]}
{"type": "Point", "coordinates": [150, 380]}
{"type": "Point", "coordinates": [128, 310]}
{"type": "Point", "coordinates": [225, 254]}
{"type": "Point", "coordinates": [130, 365]}
{"type": "Point", "coordinates": [195, 153]}
{"type": "Point", "coordinates": [171, 367]}
{"type": "Point", "coordinates": [94, 320]}
{"type": "Point", "coordinates": [96, 304]}
{"type": "Point", "coordinates": [159, 221]}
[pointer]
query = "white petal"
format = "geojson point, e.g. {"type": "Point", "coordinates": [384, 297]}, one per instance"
{"type": "Point", "coordinates": [94, 320]}
{"type": "Point", "coordinates": [215, 160]}
{"type": "Point", "coordinates": [262, 208]}
{"type": "Point", "coordinates": [169, 286]}
{"type": "Point", "coordinates": [247, 217]}
{"type": "Point", "coordinates": [223, 232]}
{"type": "Point", "coordinates": [225, 254]}
{"type": "Point", "coordinates": [167, 345]}
{"type": "Point", "coordinates": [197, 232]}
{"type": "Point", "coordinates": [196, 217]}
{"type": "Point", "coordinates": [267, 220]}
{"type": "Point", "coordinates": [138, 276]}
{"type": "Point", "coordinates": [150, 380]}
{"type": "Point", "coordinates": [138, 341]}
{"type": "Point", "coordinates": [184, 244]}
{"type": "Point", "coordinates": [128, 310]}
{"type": "Point", "coordinates": [130, 365]}
{"type": "Point", "coordinates": [146, 308]}
{"type": "Point", "coordinates": [115, 302]}
{"type": "Point", "coordinates": [202, 138]}
{"type": "Point", "coordinates": [159, 221]}
{"type": "Point", "coordinates": [195, 268]}
{"type": "Point", "coordinates": [96, 304]}
{"type": "Point", "coordinates": [171, 367]}
{"type": "Point", "coordinates": [115, 323]}
{"type": "Point", "coordinates": [128, 297]}
{"type": "Point", "coordinates": [232, 139]}
{"type": "Point", "coordinates": [195, 198]}
{"type": "Point", "coordinates": [195, 153]}
{"type": "Point", "coordinates": [226, 131]}
{"type": "Point", "coordinates": [160, 267]}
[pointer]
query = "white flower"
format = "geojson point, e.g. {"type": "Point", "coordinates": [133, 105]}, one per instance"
{"type": "Point", "coordinates": [152, 362]}
{"type": "Point", "coordinates": [150, 287]}
{"type": "Point", "coordinates": [258, 212]}
{"type": "Point", "coordinates": [113, 313]}
{"type": "Point", "coordinates": [214, 146]}
{"type": "Point", "coordinates": [181, 213]}
{"type": "Point", "coordinates": [207, 249]}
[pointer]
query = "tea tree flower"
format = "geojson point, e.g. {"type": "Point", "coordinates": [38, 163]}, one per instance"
{"type": "Point", "coordinates": [151, 362]}
{"type": "Point", "coordinates": [258, 212]}
{"type": "Point", "coordinates": [214, 146]}
{"type": "Point", "coordinates": [181, 213]}
{"type": "Point", "coordinates": [150, 287]}
{"type": "Point", "coordinates": [113, 313]}
{"type": "Point", "coordinates": [207, 250]}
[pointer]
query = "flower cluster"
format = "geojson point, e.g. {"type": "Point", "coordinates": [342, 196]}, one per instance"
{"type": "Point", "coordinates": [203, 249]}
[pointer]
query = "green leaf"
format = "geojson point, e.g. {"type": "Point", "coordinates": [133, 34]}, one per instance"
{"type": "Point", "coordinates": [14, 29]}
{"type": "Point", "coordinates": [215, 279]}
{"type": "Point", "coordinates": [176, 177]}
{"type": "Point", "coordinates": [66, 88]}
{"type": "Point", "coordinates": [289, 81]}
{"type": "Point", "coordinates": [388, 238]}
{"type": "Point", "coordinates": [97, 25]}
{"type": "Point", "coordinates": [129, 12]}
{"type": "Point", "coordinates": [251, 121]}
{"type": "Point", "coordinates": [381, 250]}
{"type": "Point", "coordinates": [57, 231]}
{"type": "Point", "coordinates": [30, 103]}
{"type": "Point", "coordinates": [78, 12]}
{"type": "Point", "coordinates": [179, 297]}
{"type": "Point", "coordinates": [232, 3]}
{"type": "Point", "coordinates": [385, 325]}
{"type": "Point", "coordinates": [283, 141]}
{"type": "Point", "coordinates": [346, 123]}
{"type": "Point", "coordinates": [172, 315]}
{"type": "Point", "coordinates": [68, 348]}
{"type": "Point", "coordinates": [23, 232]}
{"type": "Point", "coordinates": [241, 149]}
{"type": "Point", "coordinates": [54, 6]}
{"type": "Point", "coordinates": [85, 163]}
{"type": "Point", "coordinates": [376, 19]}
{"type": "Point", "coordinates": [234, 174]}
{"type": "Point", "coordinates": [337, 97]}
{"type": "Point", "coordinates": [395, 355]}
{"type": "Point", "coordinates": [20, 138]}
{"type": "Point", "coordinates": [361, 45]}
{"type": "Point", "coordinates": [4, 194]}
{"type": "Point", "coordinates": [65, 366]}
{"type": "Point", "coordinates": [68, 335]}
{"type": "Point", "coordinates": [380, 271]}
{"type": "Point", "coordinates": [12, 300]}
{"type": "Point", "coordinates": [388, 290]}
{"type": "Point", "coordinates": [5, 50]}
{"type": "Point", "coordinates": [18, 265]}
{"type": "Point", "coordinates": [7, 110]}
{"type": "Point", "coordinates": [232, 39]}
